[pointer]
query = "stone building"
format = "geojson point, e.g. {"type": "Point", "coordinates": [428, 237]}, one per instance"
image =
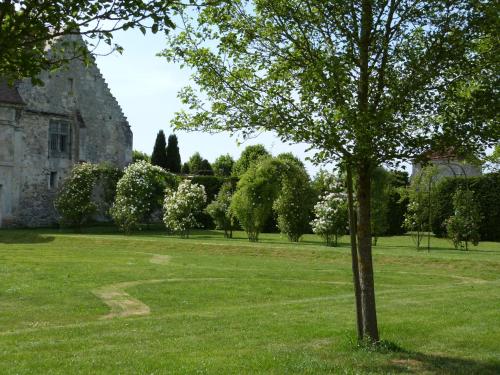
{"type": "Point", "coordinates": [44, 130]}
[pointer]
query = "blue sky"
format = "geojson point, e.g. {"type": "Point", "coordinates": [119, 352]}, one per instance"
{"type": "Point", "coordinates": [146, 87]}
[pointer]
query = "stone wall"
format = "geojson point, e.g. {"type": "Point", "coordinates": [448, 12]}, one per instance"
{"type": "Point", "coordinates": [99, 133]}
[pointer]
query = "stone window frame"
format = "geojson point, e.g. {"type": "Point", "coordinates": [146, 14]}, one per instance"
{"type": "Point", "coordinates": [59, 138]}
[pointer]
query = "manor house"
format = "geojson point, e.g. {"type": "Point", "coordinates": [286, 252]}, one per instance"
{"type": "Point", "coordinates": [45, 130]}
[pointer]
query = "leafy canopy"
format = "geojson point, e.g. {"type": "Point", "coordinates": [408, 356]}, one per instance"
{"type": "Point", "coordinates": [28, 27]}
{"type": "Point", "coordinates": [370, 81]}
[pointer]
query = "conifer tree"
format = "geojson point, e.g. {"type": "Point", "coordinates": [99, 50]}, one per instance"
{"type": "Point", "coordinates": [159, 155]}
{"type": "Point", "coordinates": [173, 155]}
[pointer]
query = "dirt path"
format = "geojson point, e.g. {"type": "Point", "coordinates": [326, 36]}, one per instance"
{"type": "Point", "coordinates": [121, 303]}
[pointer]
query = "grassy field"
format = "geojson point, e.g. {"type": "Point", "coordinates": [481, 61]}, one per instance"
{"type": "Point", "coordinates": [105, 303]}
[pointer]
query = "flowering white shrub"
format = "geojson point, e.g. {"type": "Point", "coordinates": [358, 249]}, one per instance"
{"type": "Point", "coordinates": [74, 201]}
{"type": "Point", "coordinates": [180, 207]}
{"type": "Point", "coordinates": [138, 193]}
{"type": "Point", "coordinates": [331, 214]}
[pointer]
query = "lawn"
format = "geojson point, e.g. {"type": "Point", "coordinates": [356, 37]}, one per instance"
{"type": "Point", "coordinates": [105, 303]}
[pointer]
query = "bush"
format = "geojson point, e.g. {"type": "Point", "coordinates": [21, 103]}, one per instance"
{"type": "Point", "coordinates": [74, 201]}
{"type": "Point", "coordinates": [487, 193]}
{"type": "Point", "coordinates": [219, 210]}
{"type": "Point", "coordinates": [253, 200]}
{"type": "Point", "coordinates": [139, 193]}
{"type": "Point", "coordinates": [295, 199]}
{"type": "Point", "coordinates": [398, 204]}
{"type": "Point", "coordinates": [212, 185]}
{"type": "Point", "coordinates": [331, 214]}
{"type": "Point", "coordinates": [180, 207]}
{"type": "Point", "coordinates": [463, 226]}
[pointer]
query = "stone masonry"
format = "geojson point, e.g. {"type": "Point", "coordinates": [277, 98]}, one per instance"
{"type": "Point", "coordinates": [44, 130]}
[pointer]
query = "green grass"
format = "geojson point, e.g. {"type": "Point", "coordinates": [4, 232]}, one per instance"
{"type": "Point", "coordinates": [234, 307]}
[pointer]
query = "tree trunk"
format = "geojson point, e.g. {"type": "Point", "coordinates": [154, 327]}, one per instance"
{"type": "Point", "coordinates": [370, 330]}
{"type": "Point", "coordinates": [354, 253]}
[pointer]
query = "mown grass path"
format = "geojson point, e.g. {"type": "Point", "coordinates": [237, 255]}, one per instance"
{"type": "Point", "coordinates": [105, 303]}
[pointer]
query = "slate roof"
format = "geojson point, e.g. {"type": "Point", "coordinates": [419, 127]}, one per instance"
{"type": "Point", "coordinates": [9, 94]}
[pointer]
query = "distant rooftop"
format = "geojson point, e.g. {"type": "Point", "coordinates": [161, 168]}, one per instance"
{"type": "Point", "coordinates": [9, 94]}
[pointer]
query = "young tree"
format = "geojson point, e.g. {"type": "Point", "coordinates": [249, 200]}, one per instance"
{"type": "Point", "coordinates": [398, 202]}
{"type": "Point", "coordinates": [180, 207]}
{"type": "Point", "coordinates": [380, 203]}
{"type": "Point", "coordinates": [185, 168]}
{"type": "Point", "coordinates": [205, 168]}
{"type": "Point", "coordinates": [420, 193]}
{"type": "Point", "coordinates": [28, 27]}
{"type": "Point", "coordinates": [249, 156]}
{"type": "Point", "coordinates": [463, 226]}
{"type": "Point", "coordinates": [159, 155]}
{"type": "Point", "coordinates": [219, 210]}
{"type": "Point", "coordinates": [195, 163]}
{"type": "Point", "coordinates": [223, 165]}
{"type": "Point", "coordinates": [331, 214]}
{"type": "Point", "coordinates": [253, 200]}
{"type": "Point", "coordinates": [366, 82]}
{"type": "Point", "coordinates": [173, 155]}
{"type": "Point", "coordinates": [295, 199]}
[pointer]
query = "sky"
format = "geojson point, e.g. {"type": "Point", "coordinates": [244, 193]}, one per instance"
{"type": "Point", "coordinates": [146, 87]}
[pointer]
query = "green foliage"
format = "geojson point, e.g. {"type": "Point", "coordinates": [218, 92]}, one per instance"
{"type": "Point", "coordinates": [219, 209]}
{"type": "Point", "coordinates": [463, 226]}
{"type": "Point", "coordinates": [331, 215]}
{"type": "Point", "coordinates": [139, 193]}
{"type": "Point", "coordinates": [74, 201]}
{"type": "Point", "coordinates": [295, 200]}
{"type": "Point", "coordinates": [249, 156]}
{"type": "Point", "coordinates": [27, 27]}
{"type": "Point", "coordinates": [422, 202]}
{"type": "Point", "coordinates": [398, 202]}
{"type": "Point", "coordinates": [173, 155]}
{"type": "Point", "coordinates": [487, 191]}
{"type": "Point", "coordinates": [195, 163]}
{"type": "Point", "coordinates": [139, 155]}
{"type": "Point", "coordinates": [379, 203]}
{"type": "Point", "coordinates": [212, 185]}
{"type": "Point", "coordinates": [107, 180]}
{"type": "Point", "coordinates": [159, 155]}
{"type": "Point", "coordinates": [367, 83]}
{"type": "Point", "coordinates": [185, 168]}
{"type": "Point", "coordinates": [205, 168]}
{"type": "Point", "coordinates": [223, 165]}
{"type": "Point", "coordinates": [253, 200]}
{"type": "Point", "coordinates": [180, 207]}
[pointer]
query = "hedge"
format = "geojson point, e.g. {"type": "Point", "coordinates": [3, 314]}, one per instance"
{"type": "Point", "coordinates": [486, 190]}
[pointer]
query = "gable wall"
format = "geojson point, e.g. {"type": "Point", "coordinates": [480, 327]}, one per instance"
{"type": "Point", "coordinates": [99, 133]}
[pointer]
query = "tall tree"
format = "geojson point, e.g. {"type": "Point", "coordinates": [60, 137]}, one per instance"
{"type": "Point", "coordinates": [223, 165]}
{"type": "Point", "coordinates": [195, 163]}
{"type": "Point", "coordinates": [28, 27]}
{"type": "Point", "coordinates": [249, 156]}
{"type": "Point", "coordinates": [173, 155]}
{"type": "Point", "coordinates": [159, 155]}
{"type": "Point", "coordinates": [362, 81]}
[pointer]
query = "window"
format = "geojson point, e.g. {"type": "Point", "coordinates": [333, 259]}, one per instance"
{"type": "Point", "coordinates": [71, 86]}
{"type": "Point", "coordinates": [52, 180]}
{"type": "Point", "coordinates": [59, 139]}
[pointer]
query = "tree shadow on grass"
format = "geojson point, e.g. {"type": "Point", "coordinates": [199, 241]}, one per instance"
{"type": "Point", "coordinates": [405, 361]}
{"type": "Point", "coordinates": [23, 237]}
{"type": "Point", "coordinates": [418, 363]}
